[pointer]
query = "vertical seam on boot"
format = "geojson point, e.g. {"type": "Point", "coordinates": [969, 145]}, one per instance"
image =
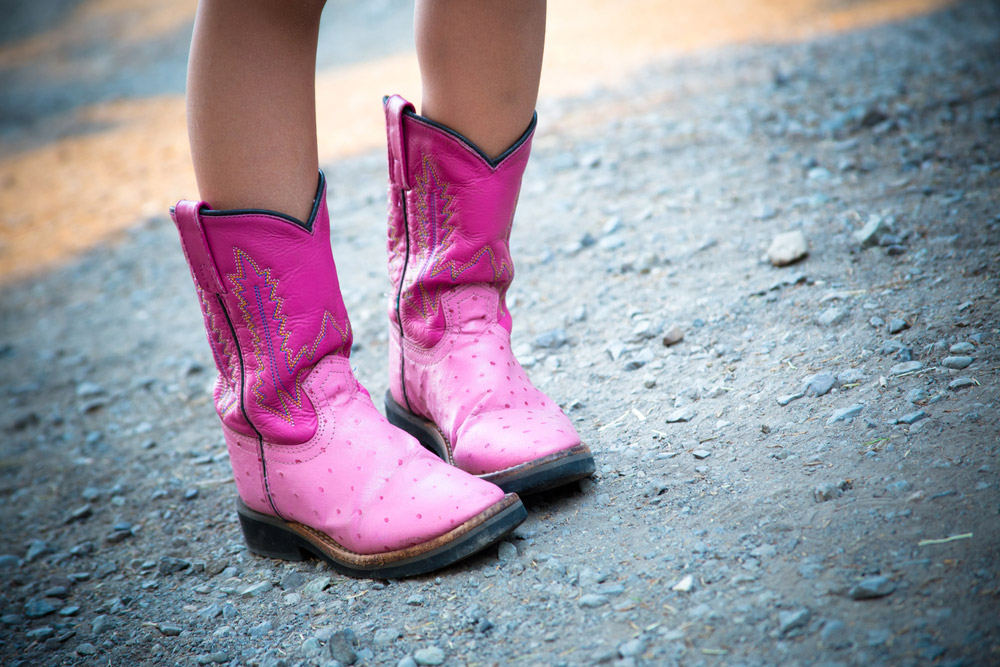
{"type": "Point", "coordinates": [243, 409]}
{"type": "Point", "coordinates": [399, 296]}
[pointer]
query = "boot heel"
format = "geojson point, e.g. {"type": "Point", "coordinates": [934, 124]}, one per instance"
{"type": "Point", "coordinates": [424, 431]}
{"type": "Point", "coordinates": [264, 538]}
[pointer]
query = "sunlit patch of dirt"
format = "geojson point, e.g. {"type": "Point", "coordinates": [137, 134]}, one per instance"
{"type": "Point", "coordinates": [76, 179]}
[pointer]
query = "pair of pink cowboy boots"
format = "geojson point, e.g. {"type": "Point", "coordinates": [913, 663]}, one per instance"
{"type": "Point", "coordinates": [318, 470]}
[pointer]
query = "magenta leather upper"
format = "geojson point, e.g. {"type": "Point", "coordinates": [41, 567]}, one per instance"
{"type": "Point", "coordinates": [459, 209]}
{"type": "Point", "coordinates": [450, 214]}
{"type": "Point", "coordinates": [278, 283]}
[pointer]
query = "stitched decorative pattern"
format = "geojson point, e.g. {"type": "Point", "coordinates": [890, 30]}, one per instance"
{"type": "Point", "coordinates": [223, 351]}
{"type": "Point", "coordinates": [277, 387]}
{"type": "Point", "coordinates": [434, 232]}
{"type": "Point", "coordinates": [396, 245]}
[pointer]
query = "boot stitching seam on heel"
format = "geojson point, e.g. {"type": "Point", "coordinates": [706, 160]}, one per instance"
{"type": "Point", "coordinates": [399, 296]}
{"type": "Point", "coordinates": [243, 409]}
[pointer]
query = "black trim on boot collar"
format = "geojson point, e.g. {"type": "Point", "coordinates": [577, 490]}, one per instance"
{"type": "Point", "coordinates": [308, 225]}
{"type": "Point", "coordinates": [493, 162]}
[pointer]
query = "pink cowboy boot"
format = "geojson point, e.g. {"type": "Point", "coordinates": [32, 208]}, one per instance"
{"type": "Point", "coordinates": [454, 382]}
{"type": "Point", "coordinates": [318, 470]}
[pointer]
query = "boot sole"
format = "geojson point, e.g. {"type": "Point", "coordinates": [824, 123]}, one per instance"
{"type": "Point", "coordinates": [272, 537]}
{"type": "Point", "coordinates": [543, 473]}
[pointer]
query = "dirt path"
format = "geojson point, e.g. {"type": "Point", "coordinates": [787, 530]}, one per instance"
{"type": "Point", "coordinates": [858, 523]}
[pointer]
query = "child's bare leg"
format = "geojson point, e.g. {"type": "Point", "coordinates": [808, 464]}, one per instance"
{"type": "Point", "coordinates": [251, 103]}
{"type": "Point", "coordinates": [480, 61]}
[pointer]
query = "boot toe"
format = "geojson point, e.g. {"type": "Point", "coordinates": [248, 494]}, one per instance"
{"type": "Point", "coordinates": [425, 498]}
{"type": "Point", "coordinates": [501, 439]}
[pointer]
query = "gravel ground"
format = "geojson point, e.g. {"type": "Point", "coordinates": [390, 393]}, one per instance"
{"type": "Point", "coordinates": [797, 464]}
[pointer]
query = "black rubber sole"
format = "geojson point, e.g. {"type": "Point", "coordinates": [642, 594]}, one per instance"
{"type": "Point", "coordinates": [530, 477]}
{"type": "Point", "coordinates": [272, 537]}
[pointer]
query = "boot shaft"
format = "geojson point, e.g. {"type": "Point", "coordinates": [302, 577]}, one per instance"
{"type": "Point", "coordinates": [269, 293]}
{"type": "Point", "coordinates": [450, 214]}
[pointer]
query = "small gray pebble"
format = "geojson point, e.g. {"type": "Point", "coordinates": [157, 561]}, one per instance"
{"type": "Point", "coordinates": [86, 648]}
{"type": "Point", "coordinates": [316, 586]}
{"type": "Point", "coordinates": [292, 580]}
{"type": "Point", "coordinates": [818, 384]}
{"type": "Point", "coordinates": [832, 316]}
{"type": "Point", "coordinates": [40, 634]}
{"type": "Point", "coordinates": [787, 248]}
{"type": "Point", "coordinates": [898, 324]}
{"type": "Point", "coordinates": [101, 624]}
{"type": "Point", "coordinates": [957, 363]}
{"type": "Point", "coordinates": [672, 336]}
{"type": "Point", "coordinates": [431, 655]}
{"type": "Point", "coordinates": [592, 601]}
{"type": "Point", "coordinates": [80, 513]}
{"type": "Point", "coordinates": [962, 348]}
{"type": "Point", "coordinates": [260, 629]}
{"type": "Point", "coordinates": [788, 398]}
{"type": "Point", "coordinates": [39, 607]}
{"type": "Point", "coordinates": [254, 590]}
{"type": "Point", "coordinates": [611, 589]}
{"type": "Point", "coordinates": [870, 233]}
{"type": "Point", "coordinates": [834, 635]}
{"type": "Point", "coordinates": [169, 629]}
{"type": "Point", "coordinates": [870, 588]}
{"type": "Point", "coordinates": [385, 636]}
{"type": "Point", "coordinates": [826, 491]}
{"type": "Point", "coordinates": [645, 330]}
{"type": "Point", "coordinates": [961, 383]}
{"type": "Point", "coordinates": [105, 569]}
{"type": "Point", "coordinates": [89, 389]}
{"type": "Point", "coordinates": [632, 648]}
{"type": "Point", "coordinates": [906, 367]}
{"type": "Point", "coordinates": [341, 646]}
{"type": "Point", "coordinates": [846, 414]}
{"type": "Point", "coordinates": [169, 565]}
{"type": "Point", "coordinates": [506, 552]}
{"type": "Point", "coordinates": [913, 417]}
{"type": "Point", "coordinates": [793, 619]}
{"type": "Point", "coordinates": [551, 340]}
{"type": "Point", "coordinates": [311, 647]}
{"type": "Point", "coordinates": [56, 592]}
{"type": "Point", "coordinates": [891, 347]}
{"type": "Point", "coordinates": [211, 611]}
{"type": "Point", "coordinates": [898, 488]}
{"type": "Point", "coordinates": [684, 414]}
